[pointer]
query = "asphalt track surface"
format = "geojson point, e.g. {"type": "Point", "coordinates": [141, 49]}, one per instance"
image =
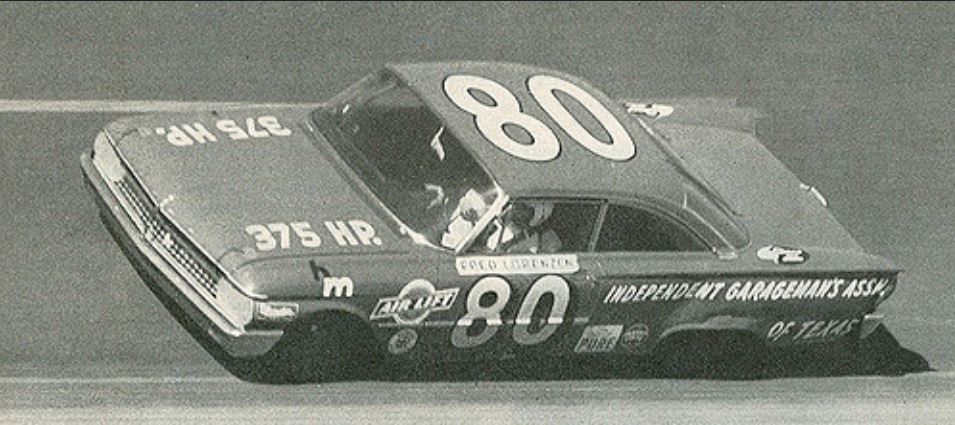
{"type": "Point", "coordinates": [916, 399]}
{"type": "Point", "coordinates": [860, 101]}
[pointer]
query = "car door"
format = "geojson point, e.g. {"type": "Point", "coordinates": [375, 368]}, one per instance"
{"type": "Point", "coordinates": [652, 264]}
{"type": "Point", "coordinates": [525, 302]}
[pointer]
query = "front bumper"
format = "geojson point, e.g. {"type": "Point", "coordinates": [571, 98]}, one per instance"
{"type": "Point", "coordinates": [234, 339]}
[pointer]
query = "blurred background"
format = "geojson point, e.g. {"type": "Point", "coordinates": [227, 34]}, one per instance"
{"type": "Point", "coordinates": [859, 98]}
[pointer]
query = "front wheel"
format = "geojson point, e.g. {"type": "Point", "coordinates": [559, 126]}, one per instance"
{"type": "Point", "coordinates": [325, 348]}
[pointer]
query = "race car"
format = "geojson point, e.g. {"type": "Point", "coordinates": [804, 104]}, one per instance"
{"type": "Point", "coordinates": [475, 211]}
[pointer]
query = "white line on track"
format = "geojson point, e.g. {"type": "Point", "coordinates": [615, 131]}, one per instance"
{"type": "Point", "coordinates": [81, 106]}
{"type": "Point", "coordinates": [119, 380]}
{"type": "Point", "coordinates": [26, 380]}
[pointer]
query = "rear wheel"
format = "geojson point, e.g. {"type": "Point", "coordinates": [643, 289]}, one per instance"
{"type": "Point", "coordinates": [710, 354]}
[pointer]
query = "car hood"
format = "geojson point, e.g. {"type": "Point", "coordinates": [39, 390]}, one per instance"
{"type": "Point", "coordinates": [221, 174]}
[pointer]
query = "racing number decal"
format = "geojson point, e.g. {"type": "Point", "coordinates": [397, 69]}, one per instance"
{"type": "Point", "coordinates": [490, 120]}
{"type": "Point", "coordinates": [551, 284]}
{"type": "Point", "coordinates": [491, 314]}
{"type": "Point", "coordinates": [621, 146]}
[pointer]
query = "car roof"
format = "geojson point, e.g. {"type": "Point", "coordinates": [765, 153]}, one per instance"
{"type": "Point", "coordinates": [576, 171]}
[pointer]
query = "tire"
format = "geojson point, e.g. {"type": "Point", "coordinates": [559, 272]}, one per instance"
{"type": "Point", "coordinates": [323, 348]}
{"type": "Point", "coordinates": [709, 355]}
{"type": "Point", "coordinates": [326, 348]}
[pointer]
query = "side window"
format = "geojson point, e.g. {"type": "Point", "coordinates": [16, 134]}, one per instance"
{"type": "Point", "coordinates": [632, 229]}
{"type": "Point", "coordinates": [540, 226]}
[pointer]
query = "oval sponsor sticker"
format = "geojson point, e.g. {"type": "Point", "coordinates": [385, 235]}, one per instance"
{"type": "Point", "coordinates": [782, 255]}
{"type": "Point", "coordinates": [402, 341]}
{"type": "Point", "coordinates": [634, 336]}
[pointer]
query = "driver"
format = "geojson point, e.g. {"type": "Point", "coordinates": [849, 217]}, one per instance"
{"type": "Point", "coordinates": [523, 231]}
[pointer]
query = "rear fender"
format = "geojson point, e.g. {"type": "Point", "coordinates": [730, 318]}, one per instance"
{"type": "Point", "coordinates": [717, 323]}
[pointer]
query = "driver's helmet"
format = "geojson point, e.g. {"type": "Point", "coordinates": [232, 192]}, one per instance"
{"type": "Point", "coordinates": [542, 211]}
{"type": "Point", "coordinates": [521, 214]}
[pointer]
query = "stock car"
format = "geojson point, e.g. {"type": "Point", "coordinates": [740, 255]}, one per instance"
{"type": "Point", "coordinates": [475, 211]}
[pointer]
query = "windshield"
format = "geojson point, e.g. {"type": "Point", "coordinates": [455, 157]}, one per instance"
{"type": "Point", "coordinates": [416, 168]}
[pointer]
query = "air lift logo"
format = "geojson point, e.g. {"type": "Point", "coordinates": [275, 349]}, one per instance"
{"type": "Point", "coordinates": [414, 303]}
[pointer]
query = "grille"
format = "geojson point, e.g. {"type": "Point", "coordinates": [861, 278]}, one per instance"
{"type": "Point", "coordinates": [167, 239]}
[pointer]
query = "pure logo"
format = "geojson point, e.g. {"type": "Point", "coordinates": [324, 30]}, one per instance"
{"type": "Point", "coordinates": [599, 339]}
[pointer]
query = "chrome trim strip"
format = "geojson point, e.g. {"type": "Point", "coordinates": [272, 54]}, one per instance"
{"type": "Point", "coordinates": [135, 213]}
{"type": "Point", "coordinates": [189, 291]}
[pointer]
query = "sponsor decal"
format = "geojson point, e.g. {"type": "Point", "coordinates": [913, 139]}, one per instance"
{"type": "Point", "coordinates": [275, 311]}
{"type": "Point", "coordinates": [652, 110]}
{"type": "Point", "coordinates": [598, 339]}
{"type": "Point", "coordinates": [634, 336]}
{"type": "Point", "coordinates": [352, 232]}
{"type": "Point", "coordinates": [619, 294]}
{"type": "Point", "coordinates": [402, 341]}
{"type": "Point", "coordinates": [782, 255]}
{"type": "Point", "coordinates": [189, 134]}
{"type": "Point", "coordinates": [331, 286]}
{"type": "Point", "coordinates": [414, 303]}
{"type": "Point", "coordinates": [337, 287]}
{"type": "Point", "coordinates": [749, 290]}
{"type": "Point", "coordinates": [811, 330]}
{"type": "Point", "coordinates": [280, 235]}
{"type": "Point", "coordinates": [517, 264]}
